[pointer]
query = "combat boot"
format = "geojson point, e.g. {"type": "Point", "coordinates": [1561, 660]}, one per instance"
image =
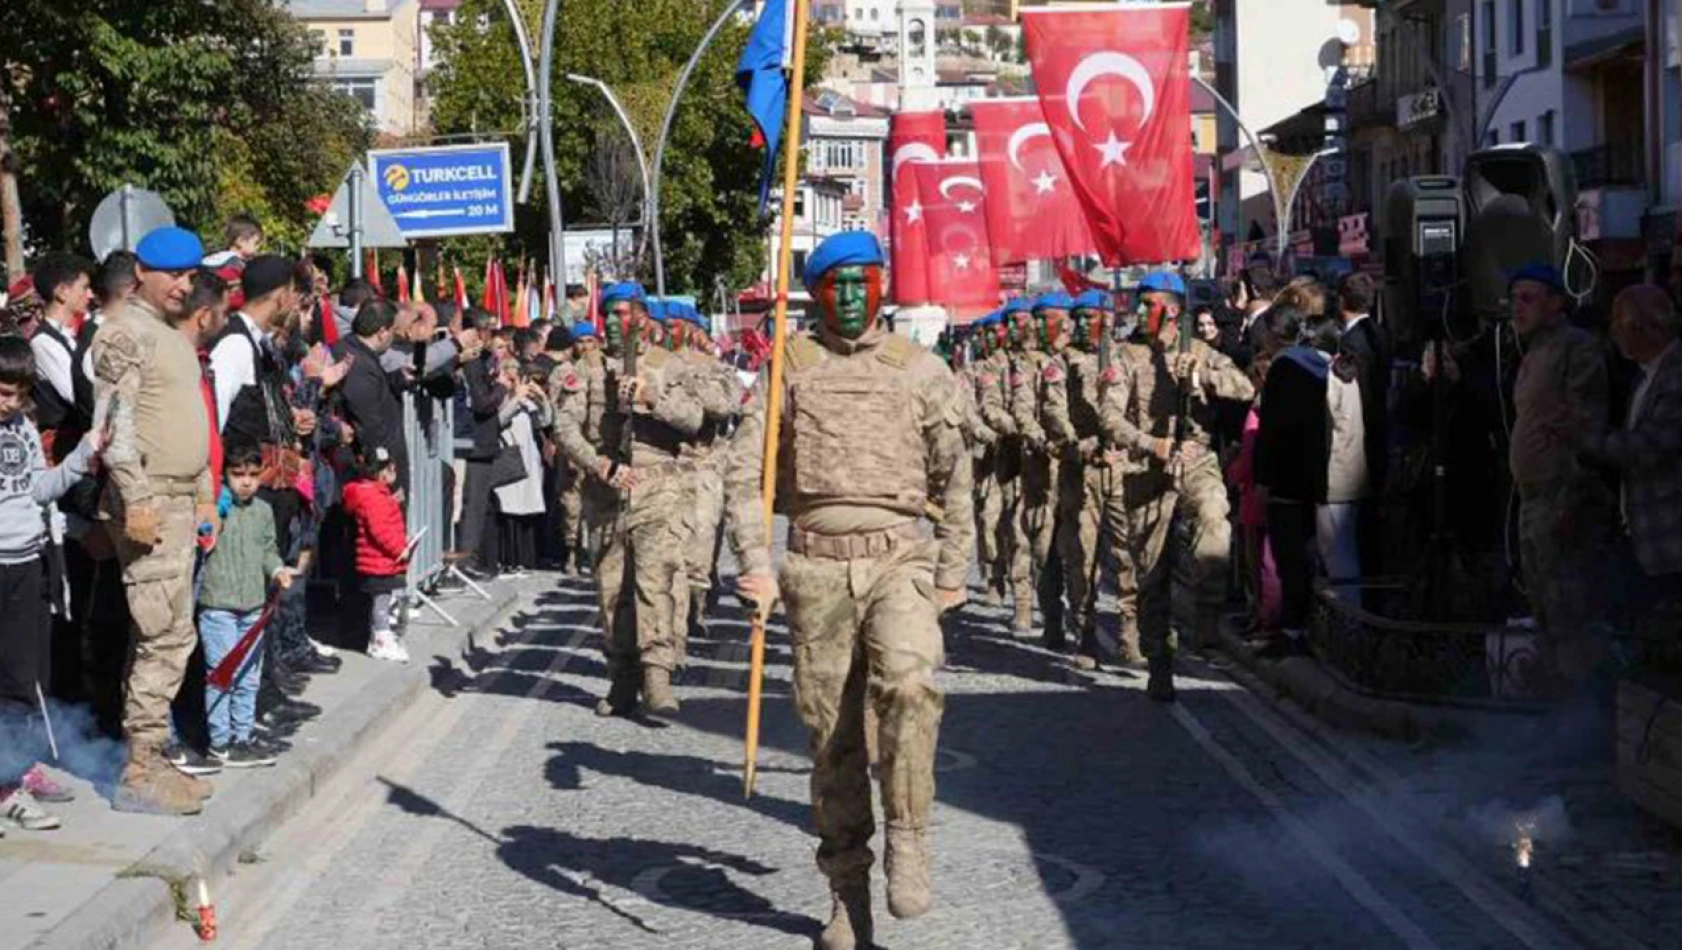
{"type": "Point", "coordinates": [621, 698]}
{"type": "Point", "coordinates": [1160, 687]}
{"type": "Point", "coordinates": [1023, 622]}
{"type": "Point", "coordinates": [850, 927]}
{"type": "Point", "coordinates": [907, 864]}
{"type": "Point", "coordinates": [151, 786]}
{"type": "Point", "coordinates": [657, 696]}
{"type": "Point", "coordinates": [1086, 656]}
{"type": "Point", "coordinates": [194, 785]}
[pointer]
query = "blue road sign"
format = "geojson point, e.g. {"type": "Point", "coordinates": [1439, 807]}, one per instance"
{"type": "Point", "coordinates": [446, 190]}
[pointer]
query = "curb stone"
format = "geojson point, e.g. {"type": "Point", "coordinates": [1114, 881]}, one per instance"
{"type": "Point", "coordinates": [133, 908]}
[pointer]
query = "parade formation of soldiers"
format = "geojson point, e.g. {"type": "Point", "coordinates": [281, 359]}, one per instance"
{"type": "Point", "coordinates": [1068, 448]}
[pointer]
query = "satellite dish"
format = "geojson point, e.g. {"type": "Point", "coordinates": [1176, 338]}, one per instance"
{"type": "Point", "coordinates": [1348, 32]}
{"type": "Point", "coordinates": [124, 217]}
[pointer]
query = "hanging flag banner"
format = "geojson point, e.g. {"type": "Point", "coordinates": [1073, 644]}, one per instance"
{"type": "Point", "coordinates": [1115, 89]}
{"type": "Point", "coordinates": [1032, 210]}
{"type": "Point", "coordinates": [446, 190]}
{"type": "Point", "coordinates": [912, 137]}
{"type": "Point", "coordinates": [960, 264]}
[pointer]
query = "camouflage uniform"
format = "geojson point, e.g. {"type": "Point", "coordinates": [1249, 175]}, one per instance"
{"type": "Point", "coordinates": [158, 461]}
{"type": "Point", "coordinates": [569, 479]}
{"type": "Point", "coordinates": [1140, 404]}
{"type": "Point", "coordinates": [721, 396]}
{"type": "Point", "coordinates": [1012, 545]}
{"type": "Point", "coordinates": [1041, 472]}
{"type": "Point", "coordinates": [872, 445]}
{"type": "Point", "coordinates": [976, 377]}
{"type": "Point", "coordinates": [641, 553]}
{"type": "Point", "coordinates": [1069, 412]}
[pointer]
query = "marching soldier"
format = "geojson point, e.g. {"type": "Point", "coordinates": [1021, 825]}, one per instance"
{"type": "Point", "coordinates": [874, 446]}
{"type": "Point", "coordinates": [584, 363]}
{"type": "Point", "coordinates": [1040, 465]}
{"type": "Point", "coordinates": [997, 392]}
{"type": "Point", "coordinates": [1159, 405]}
{"type": "Point", "coordinates": [976, 376]}
{"type": "Point", "coordinates": [160, 493]}
{"type": "Point", "coordinates": [633, 499]}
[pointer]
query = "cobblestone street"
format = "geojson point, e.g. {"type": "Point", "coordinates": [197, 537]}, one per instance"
{"type": "Point", "coordinates": [501, 813]}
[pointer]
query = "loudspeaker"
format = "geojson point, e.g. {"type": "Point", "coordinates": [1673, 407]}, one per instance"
{"type": "Point", "coordinates": [1423, 223]}
{"type": "Point", "coordinates": [1521, 208]}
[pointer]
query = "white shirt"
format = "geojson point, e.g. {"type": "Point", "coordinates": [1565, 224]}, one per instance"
{"type": "Point", "coordinates": [1357, 318]}
{"type": "Point", "coordinates": [98, 320]}
{"type": "Point", "coordinates": [233, 364]}
{"type": "Point", "coordinates": [52, 361]}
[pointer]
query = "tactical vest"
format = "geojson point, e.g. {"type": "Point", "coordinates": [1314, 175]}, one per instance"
{"type": "Point", "coordinates": [172, 428]}
{"type": "Point", "coordinates": [854, 426]}
{"type": "Point", "coordinates": [52, 411]}
{"type": "Point", "coordinates": [259, 413]}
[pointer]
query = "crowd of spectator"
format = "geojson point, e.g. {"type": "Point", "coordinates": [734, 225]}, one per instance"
{"type": "Point", "coordinates": [296, 476]}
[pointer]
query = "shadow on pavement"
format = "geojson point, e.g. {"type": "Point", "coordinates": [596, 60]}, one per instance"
{"type": "Point", "coordinates": [681, 774]}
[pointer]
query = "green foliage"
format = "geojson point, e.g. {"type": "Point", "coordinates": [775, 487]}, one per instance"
{"type": "Point", "coordinates": [711, 227]}
{"type": "Point", "coordinates": [211, 105]}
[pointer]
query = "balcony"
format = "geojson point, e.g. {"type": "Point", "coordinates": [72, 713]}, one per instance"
{"type": "Point", "coordinates": [1368, 109]}
{"type": "Point", "coordinates": [1611, 165]}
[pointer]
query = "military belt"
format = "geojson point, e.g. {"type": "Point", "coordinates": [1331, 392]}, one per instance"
{"type": "Point", "coordinates": [171, 486]}
{"type": "Point", "coordinates": [847, 547]}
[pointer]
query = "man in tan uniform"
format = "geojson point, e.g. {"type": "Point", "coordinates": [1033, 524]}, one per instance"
{"type": "Point", "coordinates": [583, 363]}
{"type": "Point", "coordinates": [1041, 463]}
{"type": "Point", "coordinates": [147, 373]}
{"type": "Point", "coordinates": [642, 541]}
{"type": "Point", "coordinates": [975, 376]}
{"type": "Point", "coordinates": [1565, 509]}
{"type": "Point", "coordinates": [996, 411]}
{"type": "Point", "coordinates": [1159, 405]}
{"type": "Point", "coordinates": [872, 445]}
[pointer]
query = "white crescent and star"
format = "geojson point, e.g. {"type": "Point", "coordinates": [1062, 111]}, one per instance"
{"type": "Point", "coordinates": [914, 213]}
{"type": "Point", "coordinates": [1094, 67]}
{"type": "Point", "coordinates": [914, 152]}
{"type": "Point", "coordinates": [947, 184]}
{"type": "Point", "coordinates": [1019, 138]}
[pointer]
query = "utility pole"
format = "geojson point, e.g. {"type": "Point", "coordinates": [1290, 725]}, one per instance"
{"type": "Point", "coordinates": [11, 211]}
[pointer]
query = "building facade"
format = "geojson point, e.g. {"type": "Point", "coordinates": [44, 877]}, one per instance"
{"type": "Point", "coordinates": [368, 49]}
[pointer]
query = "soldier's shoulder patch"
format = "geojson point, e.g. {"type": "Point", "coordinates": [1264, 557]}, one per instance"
{"type": "Point", "coordinates": [571, 383]}
{"type": "Point", "coordinates": [988, 379]}
{"type": "Point", "coordinates": [1053, 372]}
{"type": "Point", "coordinates": [1111, 374]}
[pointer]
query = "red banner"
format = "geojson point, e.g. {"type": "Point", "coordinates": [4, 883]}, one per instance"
{"type": "Point", "coordinates": [1032, 211]}
{"type": "Point", "coordinates": [1116, 93]}
{"type": "Point", "coordinates": [913, 137]}
{"type": "Point", "coordinates": [960, 265]}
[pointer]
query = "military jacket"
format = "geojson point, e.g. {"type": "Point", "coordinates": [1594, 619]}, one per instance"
{"type": "Point", "coordinates": [1141, 397]}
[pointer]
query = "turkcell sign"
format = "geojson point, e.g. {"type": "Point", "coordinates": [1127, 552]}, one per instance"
{"type": "Point", "coordinates": [446, 190]}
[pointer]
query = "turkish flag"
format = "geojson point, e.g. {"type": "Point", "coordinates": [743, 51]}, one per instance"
{"type": "Point", "coordinates": [912, 137]}
{"type": "Point", "coordinates": [1032, 211]}
{"type": "Point", "coordinates": [960, 263]}
{"type": "Point", "coordinates": [1116, 93]}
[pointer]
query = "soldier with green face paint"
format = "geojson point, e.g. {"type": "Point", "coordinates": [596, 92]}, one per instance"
{"type": "Point", "coordinates": [872, 448]}
{"type": "Point", "coordinates": [1017, 331]}
{"type": "Point", "coordinates": [1041, 465]}
{"type": "Point", "coordinates": [979, 375]}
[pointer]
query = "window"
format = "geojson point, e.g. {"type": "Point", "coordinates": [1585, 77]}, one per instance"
{"type": "Point", "coordinates": [347, 42]}
{"type": "Point", "coordinates": [1545, 128]}
{"type": "Point", "coordinates": [1465, 42]}
{"type": "Point", "coordinates": [800, 204]}
{"type": "Point", "coordinates": [1491, 139]}
{"type": "Point", "coordinates": [364, 91]}
{"type": "Point", "coordinates": [1544, 33]}
{"type": "Point", "coordinates": [1488, 67]}
{"type": "Point", "coordinates": [875, 14]}
{"type": "Point", "coordinates": [1515, 27]}
{"type": "Point", "coordinates": [1517, 132]}
{"type": "Point", "coordinates": [798, 270]}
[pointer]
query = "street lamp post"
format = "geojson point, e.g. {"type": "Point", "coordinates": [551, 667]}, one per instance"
{"type": "Point", "coordinates": [532, 113]}
{"type": "Point", "coordinates": [557, 220]}
{"type": "Point", "coordinates": [636, 145]}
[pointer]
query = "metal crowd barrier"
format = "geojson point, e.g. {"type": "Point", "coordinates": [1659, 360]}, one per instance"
{"type": "Point", "coordinates": [429, 433]}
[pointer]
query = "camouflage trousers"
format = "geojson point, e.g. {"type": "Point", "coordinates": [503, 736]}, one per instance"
{"type": "Point", "coordinates": [572, 510]}
{"type": "Point", "coordinates": [1039, 516]}
{"type": "Point", "coordinates": [988, 506]}
{"type": "Point", "coordinates": [701, 517]}
{"type": "Point", "coordinates": [866, 631]}
{"type": "Point", "coordinates": [1563, 546]}
{"type": "Point", "coordinates": [640, 562]}
{"type": "Point", "coordinates": [1014, 552]}
{"type": "Point", "coordinates": [1181, 542]}
{"type": "Point", "coordinates": [159, 583]}
{"type": "Point", "coordinates": [1082, 499]}
{"type": "Point", "coordinates": [1115, 541]}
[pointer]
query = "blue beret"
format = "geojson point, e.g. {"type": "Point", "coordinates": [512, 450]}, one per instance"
{"type": "Point", "coordinates": [624, 290]}
{"type": "Point", "coordinates": [696, 317]}
{"type": "Point", "coordinates": [1056, 300]}
{"type": "Point", "coordinates": [583, 328]}
{"type": "Point", "coordinates": [170, 248]}
{"type": "Point", "coordinates": [658, 310]}
{"type": "Point", "coordinates": [990, 319]}
{"type": "Point", "coordinates": [1093, 300]}
{"type": "Point", "coordinates": [1015, 306]}
{"type": "Point", "coordinates": [847, 249]}
{"type": "Point", "coordinates": [1165, 282]}
{"type": "Point", "coordinates": [1546, 274]}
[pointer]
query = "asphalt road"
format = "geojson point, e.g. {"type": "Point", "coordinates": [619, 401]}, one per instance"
{"type": "Point", "coordinates": [499, 812]}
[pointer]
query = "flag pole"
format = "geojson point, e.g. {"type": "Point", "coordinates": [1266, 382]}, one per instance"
{"type": "Point", "coordinates": [774, 391]}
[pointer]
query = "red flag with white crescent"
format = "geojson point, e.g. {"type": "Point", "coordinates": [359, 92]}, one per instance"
{"type": "Point", "coordinates": [960, 263]}
{"type": "Point", "coordinates": [1032, 211]}
{"type": "Point", "coordinates": [912, 137]}
{"type": "Point", "coordinates": [1115, 88]}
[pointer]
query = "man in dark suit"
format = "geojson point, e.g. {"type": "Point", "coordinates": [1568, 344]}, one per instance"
{"type": "Point", "coordinates": [1647, 448]}
{"type": "Point", "coordinates": [371, 405]}
{"type": "Point", "coordinates": [1368, 344]}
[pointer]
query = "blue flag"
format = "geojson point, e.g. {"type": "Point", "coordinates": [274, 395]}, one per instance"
{"type": "Point", "coordinates": [762, 72]}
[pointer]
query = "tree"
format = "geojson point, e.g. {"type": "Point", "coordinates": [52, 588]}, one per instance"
{"type": "Point", "coordinates": [615, 183]}
{"type": "Point", "coordinates": [710, 214]}
{"type": "Point", "coordinates": [213, 108]}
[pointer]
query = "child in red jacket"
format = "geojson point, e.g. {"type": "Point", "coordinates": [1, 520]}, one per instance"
{"type": "Point", "coordinates": [382, 547]}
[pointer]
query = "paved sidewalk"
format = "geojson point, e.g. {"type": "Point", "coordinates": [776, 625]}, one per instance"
{"type": "Point", "coordinates": [107, 877]}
